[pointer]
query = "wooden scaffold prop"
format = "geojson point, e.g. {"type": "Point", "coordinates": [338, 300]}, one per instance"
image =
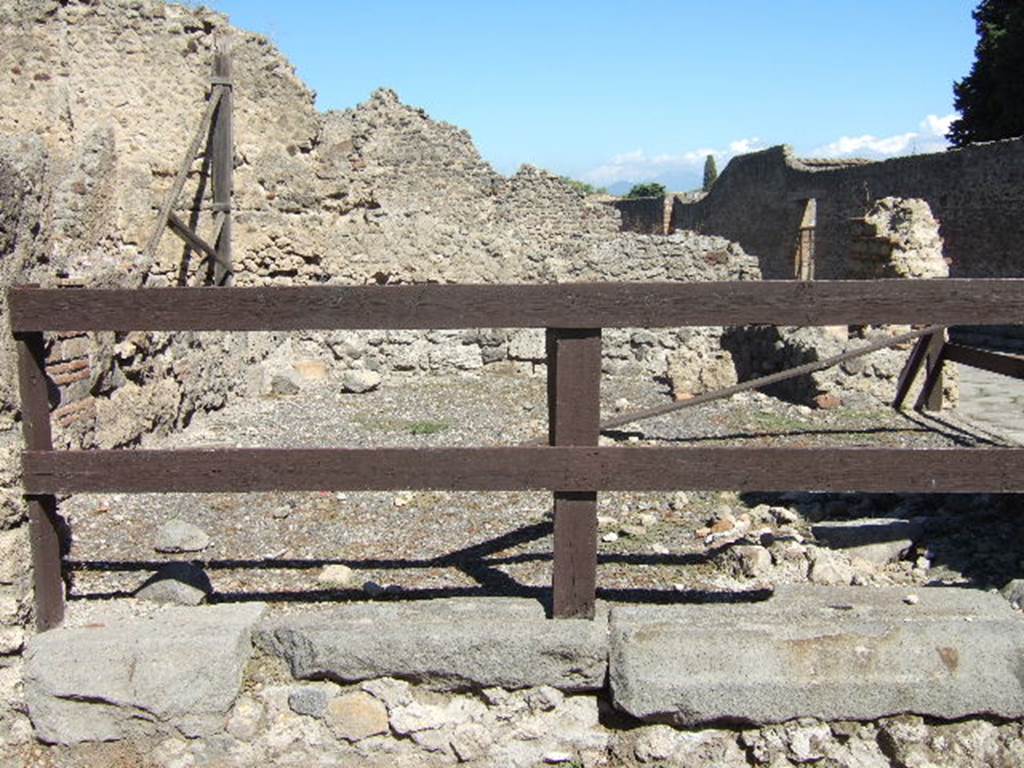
{"type": "Point", "coordinates": [215, 133]}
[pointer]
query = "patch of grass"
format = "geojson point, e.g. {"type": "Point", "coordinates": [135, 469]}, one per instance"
{"type": "Point", "coordinates": [375, 423]}
{"type": "Point", "coordinates": [776, 422]}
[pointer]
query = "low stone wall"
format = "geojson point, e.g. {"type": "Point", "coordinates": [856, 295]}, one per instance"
{"type": "Point", "coordinates": [493, 682]}
{"type": "Point", "coordinates": [974, 192]}
{"type": "Point", "coordinates": [644, 215]}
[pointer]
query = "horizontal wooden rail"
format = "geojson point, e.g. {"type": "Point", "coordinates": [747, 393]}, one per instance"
{"type": "Point", "coordinates": [578, 305]}
{"type": "Point", "coordinates": [566, 469]}
{"type": "Point", "coordinates": [1007, 365]}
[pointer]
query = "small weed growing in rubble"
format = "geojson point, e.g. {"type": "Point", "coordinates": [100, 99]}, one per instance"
{"type": "Point", "coordinates": [427, 427]}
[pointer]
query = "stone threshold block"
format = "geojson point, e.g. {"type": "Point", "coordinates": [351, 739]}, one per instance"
{"type": "Point", "coordinates": [175, 670]}
{"type": "Point", "coordinates": [448, 644]}
{"type": "Point", "coordinates": [834, 653]}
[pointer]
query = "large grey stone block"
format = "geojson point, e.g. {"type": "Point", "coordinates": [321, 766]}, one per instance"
{"type": "Point", "coordinates": [177, 670]}
{"type": "Point", "coordinates": [447, 644]}
{"type": "Point", "coordinates": [877, 540]}
{"type": "Point", "coordinates": [836, 653]}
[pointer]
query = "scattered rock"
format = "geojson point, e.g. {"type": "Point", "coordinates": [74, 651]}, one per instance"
{"type": "Point", "coordinates": [414, 717]}
{"type": "Point", "coordinates": [911, 599]}
{"type": "Point", "coordinates": [827, 401]}
{"type": "Point", "coordinates": [12, 640]}
{"type": "Point", "coordinates": [356, 716]}
{"type": "Point", "coordinates": [358, 380]}
{"type": "Point", "coordinates": [394, 693]}
{"type": "Point", "coordinates": [647, 519]}
{"type": "Point", "coordinates": [827, 569]}
{"type": "Point", "coordinates": [752, 560]}
{"type": "Point", "coordinates": [807, 743]}
{"type": "Point", "coordinates": [723, 524]}
{"type": "Point", "coordinates": [284, 386]}
{"type": "Point", "coordinates": [610, 537]}
{"type": "Point", "coordinates": [177, 536]}
{"type": "Point", "coordinates": [245, 719]}
{"type": "Point", "coordinates": [312, 370]}
{"type": "Point", "coordinates": [655, 743]}
{"type": "Point", "coordinates": [632, 531]}
{"type": "Point", "coordinates": [1014, 592]}
{"type": "Point", "coordinates": [784, 515]}
{"type": "Point", "coordinates": [177, 584]}
{"type": "Point", "coordinates": [470, 741]}
{"type": "Point", "coordinates": [309, 700]}
{"type": "Point", "coordinates": [679, 501]}
{"type": "Point", "coordinates": [338, 576]}
{"type": "Point", "coordinates": [544, 698]}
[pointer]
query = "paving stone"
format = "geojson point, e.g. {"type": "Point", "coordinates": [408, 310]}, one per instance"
{"type": "Point", "coordinates": [447, 644]}
{"type": "Point", "coordinates": [833, 653]}
{"type": "Point", "coordinates": [877, 540]}
{"type": "Point", "coordinates": [177, 671]}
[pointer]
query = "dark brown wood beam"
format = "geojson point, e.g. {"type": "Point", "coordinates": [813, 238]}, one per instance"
{"type": "Point", "coordinates": [574, 410]}
{"type": "Point", "coordinates": [569, 469]}
{"type": "Point", "coordinates": [591, 305]}
{"type": "Point", "coordinates": [1007, 365]}
{"type": "Point", "coordinates": [43, 520]}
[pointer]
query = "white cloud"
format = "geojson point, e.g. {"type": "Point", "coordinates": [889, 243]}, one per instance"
{"type": "Point", "coordinates": [930, 137]}
{"type": "Point", "coordinates": [637, 165]}
{"type": "Point", "coordinates": [684, 168]}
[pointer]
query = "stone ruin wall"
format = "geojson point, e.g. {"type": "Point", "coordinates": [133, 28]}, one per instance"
{"type": "Point", "coordinates": [976, 193]}
{"type": "Point", "coordinates": [101, 99]}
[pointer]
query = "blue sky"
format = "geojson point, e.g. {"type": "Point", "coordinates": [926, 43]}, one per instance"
{"type": "Point", "coordinates": [611, 92]}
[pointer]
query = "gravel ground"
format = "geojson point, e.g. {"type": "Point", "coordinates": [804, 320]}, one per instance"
{"type": "Point", "coordinates": [654, 547]}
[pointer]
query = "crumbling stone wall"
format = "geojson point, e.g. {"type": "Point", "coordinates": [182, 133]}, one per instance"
{"type": "Point", "coordinates": [974, 192]}
{"type": "Point", "coordinates": [646, 215]}
{"type": "Point", "coordinates": [897, 238]}
{"type": "Point", "coordinates": [100, 100]}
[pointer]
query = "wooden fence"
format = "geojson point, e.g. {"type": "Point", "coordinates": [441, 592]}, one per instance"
{"type": "Point", "coordinates": [571, 466]}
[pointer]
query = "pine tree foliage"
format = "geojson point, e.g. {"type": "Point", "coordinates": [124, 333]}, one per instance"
{"type": "Point", "coordinates": [990, 99]}
{"type": "Point", "coordinates": [710, 172]}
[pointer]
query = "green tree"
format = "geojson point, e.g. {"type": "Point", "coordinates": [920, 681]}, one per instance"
{"type": "Point", "coordinates": [710, 172]}
{"type": "Point", "coordinates": [650, 189]}
{"type": "Point", "coordinates": [990, 99]}
{"type": "Point", "coordinates": [583, 188]}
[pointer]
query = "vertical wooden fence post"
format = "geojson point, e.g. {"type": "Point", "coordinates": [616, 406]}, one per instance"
{"type": "Point", "coordinates": [930, 398]}
{"type": "Point", "coordinates": [44, 529]}
{"type": "Point", "coordinates": [222, 147]}
{"type": "Point", "coordinates": [574, 381]}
